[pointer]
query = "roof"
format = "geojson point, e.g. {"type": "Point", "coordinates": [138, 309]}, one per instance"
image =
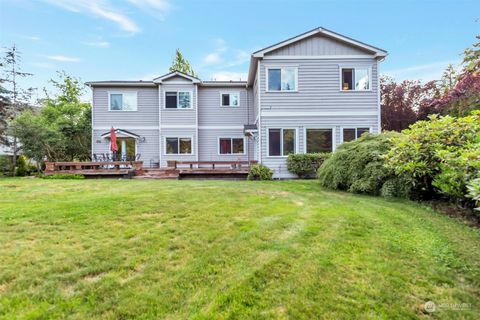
{"type": "Point", "coordinates": [120, 83]}
{"type": "Point", "coordinates": [122, 132]}
{"type": "Point", "coordinates": [176, 74]}
{"type": "Point", "coordinates": [223, 83]}
{"type": "Point", "coordinates": [376, 52]}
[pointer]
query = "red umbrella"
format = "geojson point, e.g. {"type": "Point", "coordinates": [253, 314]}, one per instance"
{"type": "Point", "coordinates": [113, 140]}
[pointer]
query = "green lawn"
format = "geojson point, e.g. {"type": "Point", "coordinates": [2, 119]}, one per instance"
{"type": "Point", "coordinates": [113, 249]}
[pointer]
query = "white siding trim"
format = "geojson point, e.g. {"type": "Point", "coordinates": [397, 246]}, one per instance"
{"type": "Point", "coordinates": [196, 121]}
{"type": "Point", "coordinates": [92, 125]}
{"type": "Point", "coordinates": [220, 127]}
{"type": "Point", "coordinates": [126, 128]}
{"type": "Point", "coordinates": [379, 129]}
{"type": "Point", "coordinates": [259, 108]}
{"type": "Point", "coordinates": [318, 57]}
{"type": "Point", "coordinates": [269, 113]}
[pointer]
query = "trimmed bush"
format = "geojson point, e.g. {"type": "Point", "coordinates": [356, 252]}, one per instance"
{"type": "Point", "coordinates": [439, 156]}
{"type": "Point", "coordinates": [260, 172]}
{"type": "Point", "coordinates": [64, 176]}
{"type": "Point", "coordinates": [306, 165]}
{"type": "Point", "coordinates": [358, 167]}
{"type": "Point", "coordinates": [22, 168]}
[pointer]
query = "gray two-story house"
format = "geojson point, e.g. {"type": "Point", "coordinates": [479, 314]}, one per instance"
{"type": "Point", "coordinates": [306, 94]}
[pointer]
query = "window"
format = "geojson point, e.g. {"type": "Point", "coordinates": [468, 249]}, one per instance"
{"type": "Point", "coordinates": [319, 140]}
{"type": "Point", "coordinates": [350, 134]}
{"type": "Point", "coordinates": [231, 146]}
{"type": "Point", "coordinates": [178, 100]}
{"type": "Point", "coordinates": [178, 145]}
{"type": "Point", "coordinates": [123, 101]}
{"type": "Point", "coordinates": [282, 79]}
{"type": "Point", "coordinates": [281, 142]}
{"type": "Point", "coordinates": [356, 79]}
{"type": "Point", "coordinates": [230, 99]}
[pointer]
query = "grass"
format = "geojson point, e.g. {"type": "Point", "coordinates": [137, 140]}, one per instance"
{"type": "Point", "coordinates": [113, 249]}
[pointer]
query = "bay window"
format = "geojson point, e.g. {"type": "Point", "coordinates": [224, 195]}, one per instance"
{"type": "Point", "coordinates": [355, 79]}
{"type": "Point", "coordinates": [178, 145]}
{"type": "Point", "coordinates": [282, 79]}
{"type": "Point", "coordinates": [319, 140]}
{"type": "Point", "coordinates": [178, 100]}
{"type": "Point", "coordinates": [231, 145]}
{"type": "Point", "coordinates": [281, 142]}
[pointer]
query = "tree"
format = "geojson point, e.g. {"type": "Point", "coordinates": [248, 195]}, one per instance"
{"type": "Point", "coordinates": [61, 130]}
{"type": "Point", "coordinates": [14, 99]}
{"type": "Point", "coordinates": [181, 64]}
{"type": "Point", "coordinates": [401, 102]}
{"type": "Point", "coordinates": [471, 58]}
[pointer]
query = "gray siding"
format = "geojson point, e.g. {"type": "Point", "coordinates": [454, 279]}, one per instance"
{"type": "Point", "coordinates": [318, 45]}
{"type": "Point", "coordinates": [177, 116]}
{"type": "Point", "coordinates": [148, 150]}
{"type": "Point", "coordinates": [319, 103]}
{"type": "Point", "coordinates": [146, 114]}
{"type": "Point", "coordinates": [172, 133]}
{"type": "Point", "coordinates": [211, 113]}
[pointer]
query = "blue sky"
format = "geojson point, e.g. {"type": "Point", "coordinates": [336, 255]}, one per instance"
{"type": "Point", "coordinates": [136, 39]}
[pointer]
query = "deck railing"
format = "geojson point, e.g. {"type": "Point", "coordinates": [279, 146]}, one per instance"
{"type": "Point", "coordinates": [93, 168]}
{"type": "Point", "coordinates": [213, 165]}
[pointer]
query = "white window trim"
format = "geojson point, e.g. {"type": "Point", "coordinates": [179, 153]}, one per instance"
{"type": "Point", "coordinates": [356, 66]}
{"type": "Point", "coordinates": [231, 154]}
{"type": "Point", "coordinates": [229, 92]}
{"type": "Point", "coordinates": [281, 141]}
{"type": "Point", "coordinates": [178, 137]}
{"type": "Point", "coordinates": [283, 67]}
{"type": "Point", "coordinates": [353, 127]}
{"type": "Point", "coordinates": [319, 127]}
{"type": "Point", "coordinates": [122, 93]}
{"type": "Point", "coordinates": [178, 99]}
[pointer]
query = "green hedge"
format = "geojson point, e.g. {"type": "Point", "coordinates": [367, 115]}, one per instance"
{"type": "Point", "coordinates": [306, 165]}
{"type": "Point", "coordinates": [358, 167]}
{"type": "Point", "coordinates": [260, 172]}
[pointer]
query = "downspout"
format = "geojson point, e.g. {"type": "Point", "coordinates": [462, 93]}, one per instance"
{"type": "Point", "coordinates": [248, 122]}
{"type": "Point", "coordinates": [159, 125]}
{"type": "Point", "coordinates": [92, 124]}
{"type": "Point", "coordinates": [196, 121]}
{"type": "Point", "coordinates": [259, 114]}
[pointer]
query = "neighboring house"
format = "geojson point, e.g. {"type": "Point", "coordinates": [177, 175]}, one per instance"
{"type": "Point", "coordinates": [305, 94]}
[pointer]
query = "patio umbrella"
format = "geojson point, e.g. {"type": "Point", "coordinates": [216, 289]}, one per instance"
{"type": "Point", "coordinates": [113, 141]}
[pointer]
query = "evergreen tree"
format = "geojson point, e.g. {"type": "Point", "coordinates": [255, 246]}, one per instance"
{"type": "Point", "coordinates": [182, 65]}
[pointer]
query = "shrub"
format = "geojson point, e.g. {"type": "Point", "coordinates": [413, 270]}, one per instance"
{"type": "Point", "coordinates": [474, 192]}
{"type": "Point", "coordinates": [22, 168]}
{"type": "Point", "coordinates": [64, 176]}
{"type": "Point", "coordinates": [306, 165]}
{"type": "Point", "coordinates": [260, 172]}
{"type": "Point", "coordinates": [5, 165]}
{"type": "Point", "coordinates": [358, 167]}
{"type": "Point", "coordinates": [440, 155]}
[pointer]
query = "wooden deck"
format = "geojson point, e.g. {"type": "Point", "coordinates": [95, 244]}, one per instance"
{"type": "Point", "coordinates": [100, 168]}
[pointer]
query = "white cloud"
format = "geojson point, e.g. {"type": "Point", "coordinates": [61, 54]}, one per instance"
{"type": "Point", "coordinates": [424, 72]}
{"type": "Point", "coordinates": [99, 44]}
{"type": "Point", "coordinates": [63, 58]}
{"type": "Point", "coordinates": [158, 7]}
{"type": "Point", "coordinates": [33, 38]}
{"type": "Point", "coordinates": [100, 9]}
{"type": "Point", "coordinates": [212, 58]}
{"type": "Point", "coordinates": [227, 76]}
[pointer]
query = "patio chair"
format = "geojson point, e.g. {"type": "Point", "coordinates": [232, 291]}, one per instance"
{"type": "Point", "coordinates": [137, 157]}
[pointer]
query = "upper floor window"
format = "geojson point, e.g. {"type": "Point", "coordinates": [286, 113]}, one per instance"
{"type": "Point", "coordinates": [230, 99]}
{"type": "Point", "coordinates": [356, 79]}
{"type": "Point", "coordinates": [231, 145]}
{"type": "Point", "coordinates": [350, 134]}
{"type": "Point", "coordinates": [282, 79]}
{"type": "Point", "coordinates": [176, 145]}
{"type": "Point", "coordinates": [125, 101]}
{"type": "Point", "coordinates": [281, 142]}
{"type": "Point", "coordinates": [178, 100]}
{"type": "Point", "coordinates": [319, 140]}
